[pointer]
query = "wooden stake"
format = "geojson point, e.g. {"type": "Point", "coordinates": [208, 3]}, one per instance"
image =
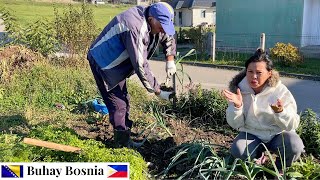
{"type": "Point", "coordinates": [51, 145]}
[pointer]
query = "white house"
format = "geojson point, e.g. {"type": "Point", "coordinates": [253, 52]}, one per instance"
{"type": "Point", "coordinates": [194, 12]}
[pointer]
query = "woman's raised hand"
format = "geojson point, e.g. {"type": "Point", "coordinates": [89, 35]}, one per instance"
{"type": "Point", "coordinates": [232, 97]}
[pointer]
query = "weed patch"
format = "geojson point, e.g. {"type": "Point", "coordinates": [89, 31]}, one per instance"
{"type": "Point", "coordinates": [305, 168]}
{"type": "Point", "coordinates": [309, 131]}
{"type": "Point", "coordinates": [15, 58]}
{"type": "Point", "coordinates": [204, 108]}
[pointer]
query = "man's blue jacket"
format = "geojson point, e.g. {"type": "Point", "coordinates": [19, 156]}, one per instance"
{"type": "Point", "coordinates": [125, 45]}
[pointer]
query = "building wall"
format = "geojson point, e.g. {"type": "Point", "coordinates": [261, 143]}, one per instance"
{"type": "Point", "coordinates": [311, 25]}
{"type": "Point", "coordinates": [198, 19]}
{"type": "Point", "coordinates": [186, 17]}
{"type": "Point", "coordinates": [240, 23]}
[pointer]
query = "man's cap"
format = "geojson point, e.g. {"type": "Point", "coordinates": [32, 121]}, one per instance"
{"type": "Point", "coordinates": [164, 13]}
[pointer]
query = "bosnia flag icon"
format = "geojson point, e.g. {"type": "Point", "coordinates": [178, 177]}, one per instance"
{"type": "Point", "coordinates": [11, 171]}
{"type": "Point", "coordinates": [117, 171]}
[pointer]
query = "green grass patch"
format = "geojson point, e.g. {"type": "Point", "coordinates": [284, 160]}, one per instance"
{"type": "Point", "coordinates": [31, 93]}
{"type": "Point", "coordinates": [30, 11]}
{"type": "Point", "coordinates": [27, 110]}
{"type": "Point", "coordinates": [44, 85]}
{"type": "Point", "coordinates": [12, 149]}
{"type": "Point", "coordinates": [310, 66]}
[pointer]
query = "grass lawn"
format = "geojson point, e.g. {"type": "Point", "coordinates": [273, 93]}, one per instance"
{"type": "Point", "coordinates": [30, 11]}
{"type": "Point", "coordinates": [310, 66]}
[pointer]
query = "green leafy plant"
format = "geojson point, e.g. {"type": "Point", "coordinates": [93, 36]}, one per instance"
{"type": "Point", "coordinates": [250, 168]}
{"type": "Point", "coordinates": [38, 36]}
{"type": "Point", "coordinates": [180, 57]}
{"type": "Point", "coordinates": [181, 74]}
{"type": "Point", "coordinates": [306, 168]}
{"type": "Point", "coordinates": [309, 131]}
{"type": "Point", "coordinates": [12, 149]}
{"type": "Point", "coordinates": [286, 54]}
{"type": "Point", "coordinates": [11, 25]}
{"type": "Point", "coordinates": [254, 168]}
{"type": "Point", "coordinates": [197, 103]}
{"type": "Point", "coordinates": [41, 36]}
{"type": "Point", "coordinates": [2, 91]}
{"type": "Point", "coordinates": [76, 28]}
{"type": "Point", "coordinates": [158, 114]}
{"type": "Point", "coordinates": [199, 161]}
{"type": "Point", "coordinates": [78, 95]}
{"type": "Point", "coordinates": [198, 36]}
{"type": "Point", "coordinates": [203, 107]}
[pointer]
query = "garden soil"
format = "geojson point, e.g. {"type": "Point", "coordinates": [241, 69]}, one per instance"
{"type": "Point", "coordinates": [154, 149]}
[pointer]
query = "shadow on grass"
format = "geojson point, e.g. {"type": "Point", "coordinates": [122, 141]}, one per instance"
{"type": "Point", "coordinates": [15, 124]}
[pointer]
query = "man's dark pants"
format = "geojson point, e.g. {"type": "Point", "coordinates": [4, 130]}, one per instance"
{"type": "Point", "coordinates": [117, 99]}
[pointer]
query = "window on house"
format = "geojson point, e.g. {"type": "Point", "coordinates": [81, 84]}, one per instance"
{"type": "Point", "coordinates": [203, 13]}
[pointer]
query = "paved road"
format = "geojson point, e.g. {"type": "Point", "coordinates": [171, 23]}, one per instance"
{"type": "Point", "coordinates": [306, 92]}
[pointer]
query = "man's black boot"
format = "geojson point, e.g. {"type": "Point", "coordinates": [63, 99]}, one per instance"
{"type": "Point", "coordinates": [122, 139]}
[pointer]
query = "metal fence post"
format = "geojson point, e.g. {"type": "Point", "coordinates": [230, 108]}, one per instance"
{"type": "Point", "coordinates": [263, 41]}
{"type": "Point", "coordinates": [213, 46]}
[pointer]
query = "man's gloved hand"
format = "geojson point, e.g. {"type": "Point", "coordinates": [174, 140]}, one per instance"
{"type": "Point", "coordinates": [170, 68]}
{"type": "Point", "coordinates": [166, 95]}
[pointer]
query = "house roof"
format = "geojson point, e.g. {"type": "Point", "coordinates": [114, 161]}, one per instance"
{"type": "Point", "coordinates": [178, 4]}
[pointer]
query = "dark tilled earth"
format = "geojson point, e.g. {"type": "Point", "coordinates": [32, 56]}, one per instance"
{"type": "Point", "coordinates": [153, 150]}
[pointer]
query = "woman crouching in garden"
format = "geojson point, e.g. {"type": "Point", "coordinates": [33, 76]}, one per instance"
{"type": "Point", "coordinates": [262, 109]}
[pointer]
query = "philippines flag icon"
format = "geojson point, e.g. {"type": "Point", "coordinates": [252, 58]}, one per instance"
{"type": "Point", "coordinates": [117, 171]}
{"type": "Point", "coordinates": [11, 171]}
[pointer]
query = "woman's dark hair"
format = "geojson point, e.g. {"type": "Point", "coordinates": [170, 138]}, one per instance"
{"type": "Point", "coordinates": [260, 56]}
